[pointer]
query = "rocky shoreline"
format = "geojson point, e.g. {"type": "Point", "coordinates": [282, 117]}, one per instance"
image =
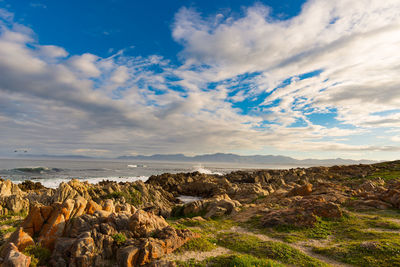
{"type": "Point", "coordinates": [142, 223]}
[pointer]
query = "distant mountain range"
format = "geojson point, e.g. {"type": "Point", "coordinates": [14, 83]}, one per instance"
{"type": "Point", "coordinates": [218, 157]}
{"type": "Point", "coordinates": [256, 159]}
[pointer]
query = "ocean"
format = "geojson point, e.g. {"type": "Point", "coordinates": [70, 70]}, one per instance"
{"type": "Point", "coordinates": [51, 172]}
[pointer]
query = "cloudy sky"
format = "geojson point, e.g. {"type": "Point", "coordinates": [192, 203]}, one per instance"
{"type": "Point", "coordinates": [316, 78]}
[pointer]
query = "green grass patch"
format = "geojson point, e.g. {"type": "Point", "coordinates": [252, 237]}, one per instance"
{"type": "Point", "coordinates": [6, 231]}
{"type": "Point", "coordinates": [241, 261]}
{"type": "Point", "coordinates": [119, 239]}
{"type": "Point", "coordinates": [371, 253]}
{"type": "Point", "coordinates": [132, 196]}
{"type": "Point", "coordinates": [198, 244]}
{"type": "Point", "coordinates": [351, 227]}
{"type": "Point", "coordinates": [235, 260]}
{"type": "Point", "coordinates": [39, 255]}
{"type": "Point", "coordinates": [266, 249]}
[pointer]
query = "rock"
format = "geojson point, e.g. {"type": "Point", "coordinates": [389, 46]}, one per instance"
{"type": "Point", "coordinates": [302, 213]}
{"type": "Point", "coordinates": [212, 207]}
{"type": "Point", "coordinates": [128, 256]}
{"type": "Point", "coordinates": [54, 226]}
{"type": "Point", "coordinates": [143, 224]}
{"type": "Point", "coordinates": [92, 207]}
{"type": "Point", "coordinates": [38, 215]}
{"type": "Point", "coordinates": [109, 206]}
{"type": "Point", "coordinates": [12, 198]}
{"type": "Point", "coordinates": [14, 258]}
{"type": "Point", "coordinates": [83, 251]}
{"type": "Point", "coordinates": [71, 190]}
{"type": "Point", "coordinates": [61, 251]}
{"type": "Point", "coordinates": [28, 185]}
{"type": "Point", "coordinates": [304, 190]}
{"type": "Point", "coordinates": [20, 239]}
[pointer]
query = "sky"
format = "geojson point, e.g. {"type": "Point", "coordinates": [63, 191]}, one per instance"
{"type": "Point", "coordinates": [307, 79]}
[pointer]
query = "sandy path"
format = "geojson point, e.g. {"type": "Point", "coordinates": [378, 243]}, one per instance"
{"type": "Point", "coordinates": [198, 255]}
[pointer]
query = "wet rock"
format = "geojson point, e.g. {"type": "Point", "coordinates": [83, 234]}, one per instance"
{"type": "Point", "coordinates": [28, 185]}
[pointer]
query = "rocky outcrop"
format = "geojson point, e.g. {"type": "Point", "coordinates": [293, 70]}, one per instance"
{"type": "Point", "coordinates": [82, 232]}
{"type": "Point", "coordinates": [212, 207]}
{"type": "Point", "coordinates": [303, 213]}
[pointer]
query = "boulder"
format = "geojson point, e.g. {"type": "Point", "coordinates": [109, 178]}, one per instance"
{"type": "Point", "coordinates": [92, 207]}
{"type": "Point", "coordinates": [20, 239]}
{"type": "Point", "coordinates": [38, 215]}
{"type": "Point", "coordinates": [82, 251]}
{"type": "Point", "coordinates": [14, 258]}
{"type": "Point", "coordinates": [143, 224]}
{"type": "Point", "coordinates": [12, 198]}
{"type": "Point", "coordinates": [303, 190]}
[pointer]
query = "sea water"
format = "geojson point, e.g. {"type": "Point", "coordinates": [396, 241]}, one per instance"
{"type": "Point", "coordinates": [51, 172]}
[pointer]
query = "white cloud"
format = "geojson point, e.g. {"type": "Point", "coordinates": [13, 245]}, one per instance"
{"type": "Point", "coordinates": [86, 65]}
{"type": "Point", "coordinates": [54, 102]}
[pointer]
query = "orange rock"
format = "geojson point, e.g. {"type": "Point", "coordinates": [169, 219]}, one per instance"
{"type": "Point", "coordinates": [38, 215]}
{"type": "Point", "coordinates": [303, 190]}
{"type": "Point", "coordinates": [128, 256]}
{"type": "Point", "coordinates": [54, 227]}
{"type": "Point", "coordinates": [109, 205]}
{"type": "Point", "coordinates": [20, 239]}
{"type": "Point", "coordinates": [92, 206]}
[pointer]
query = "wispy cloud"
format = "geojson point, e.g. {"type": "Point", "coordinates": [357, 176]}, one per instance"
{"type": "Point", "coordinates": [251, 83]}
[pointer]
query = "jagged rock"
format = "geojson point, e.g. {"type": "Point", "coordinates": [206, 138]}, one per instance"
{"type": "Point", "coordinates": [92, 207]}
{"type": "Point", "coordinates": [14, 258]}
{"type": "Point", "coordinates": [54, 226]}
{"type": "Point", "coordinates": [302, 213]}
{"type": "Point", "coordinates": [109, 206]}
{"type": "Point", "coordinates": [143, 224]}
{"type": "Point", "coordinates": [28, 185]}
{"type": "Point", "coordinates": [128, 256]}
{"type": "Point", "coordinates": [20, 239]}
{"type": "Point", "coordinates": [212, 207]}
{"type": "Point", "coordinates": [82, 251]}
{"type": "Point", "coordinates": [71, 190]}
{"type": "Point", "coordinates": [38, 215]}
{"type": "Point", "coordinates": [12, 198]}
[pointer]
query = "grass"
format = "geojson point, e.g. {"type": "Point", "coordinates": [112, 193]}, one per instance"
{"type": "Point", "coordinates": [198, 244]}
{"type": "Point", "coordinates": [266, 249]}
{"type": "Point", "coordinates": [236, 260]}
{"type": "Point", "coordinates": [386, 175]}
{"type": "Point", "coordinates": [132, 196]}
{"type": "Point", "coordinates": [241, 261]}
{"type": "Point", "coordinates": [6, 231]}
{"type": "Point", "coordinates": [119, 239]}
{"type": "Point", "coordinates": [372, 253]}
{"type": "Point", "coordinates": [39, 255]}
{"type": "Point", "coordinates": [349, 227]}
{"type": "Point", "coordinates": [12, 218]}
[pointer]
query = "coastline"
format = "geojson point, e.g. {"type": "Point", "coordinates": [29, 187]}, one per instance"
{"type": "Point", "coordinates": [142, 223]}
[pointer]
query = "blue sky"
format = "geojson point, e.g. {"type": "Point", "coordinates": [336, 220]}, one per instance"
{"type": "Point", "coordinates": [306, 79]}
